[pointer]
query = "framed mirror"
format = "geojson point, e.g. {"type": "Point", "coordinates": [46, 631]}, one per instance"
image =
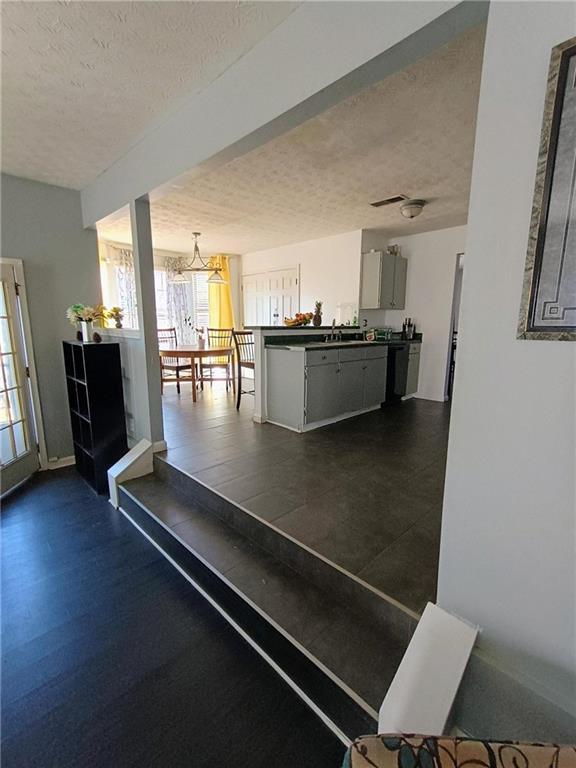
{"type": "Point", "coordinates": [548, 308]}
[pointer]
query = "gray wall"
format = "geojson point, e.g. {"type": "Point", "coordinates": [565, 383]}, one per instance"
{"type": "Point", "coordinates": [42, 225]}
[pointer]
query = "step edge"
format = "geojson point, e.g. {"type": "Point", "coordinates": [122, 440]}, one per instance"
{"type": "Point", "coordinates": [302, 649]}
{"type": "Point", "coordinates": [377, 592]}
{"type": "Point", "coordinates": [269, 660]}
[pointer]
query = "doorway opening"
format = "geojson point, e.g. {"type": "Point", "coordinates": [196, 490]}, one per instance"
{"type": "Point", "coordinates": [457, 296]}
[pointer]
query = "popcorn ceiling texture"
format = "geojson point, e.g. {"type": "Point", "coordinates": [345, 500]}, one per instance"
{"type": "Point", "coordinates": [82, 80]}
{"type": "Point", "coordinates": [412, 133]}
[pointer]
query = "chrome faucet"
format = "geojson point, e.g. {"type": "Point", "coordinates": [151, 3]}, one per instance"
{"type": "Point", "coordinates": [334, 335]}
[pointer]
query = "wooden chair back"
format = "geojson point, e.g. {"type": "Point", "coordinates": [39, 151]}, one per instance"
{"type": "Point", "coordinates": [167, 338]}
{"type": "Point", "coordinates": [219, 337]}
{"type": "Point", "coordinates": [244, 344]}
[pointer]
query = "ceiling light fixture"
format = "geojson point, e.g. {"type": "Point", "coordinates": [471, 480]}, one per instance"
{"type": "Point", "coordinates": [198, 264]}
{"type": "Point", "coordinates": [412, 208]}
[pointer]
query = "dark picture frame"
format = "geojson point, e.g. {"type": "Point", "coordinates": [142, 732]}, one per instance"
{"type": "Point", "coordinates": [548, 307]}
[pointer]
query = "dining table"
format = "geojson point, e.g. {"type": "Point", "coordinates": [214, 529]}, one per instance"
{"type": "Point", "coordinates": [195, 353]}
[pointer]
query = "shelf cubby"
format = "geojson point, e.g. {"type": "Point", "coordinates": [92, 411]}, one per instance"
{"type": "Point", "coordinates": [96, 400]}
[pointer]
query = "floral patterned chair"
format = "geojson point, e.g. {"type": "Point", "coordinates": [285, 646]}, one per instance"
{"type": "Point", "coordinates": [394, 751]}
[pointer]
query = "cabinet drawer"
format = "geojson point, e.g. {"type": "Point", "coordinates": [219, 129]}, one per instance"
{"type": "Point", "coordinates": [375, 352]}
{"type": "Point", "coordinates": [321, 356]}
{"type": "Point", "coordinates": [415, 349]}
{"type": "Point", "coordinates": [351, 353]}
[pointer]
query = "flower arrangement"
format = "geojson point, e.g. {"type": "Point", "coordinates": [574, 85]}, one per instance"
{"type": "Point", "coordinates": [79, 313]}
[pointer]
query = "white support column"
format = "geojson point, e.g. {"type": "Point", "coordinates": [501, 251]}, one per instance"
{"type": "Point", "coordinates": [149, 388]}
{"type": "Point", "coordinates": [260, 409]}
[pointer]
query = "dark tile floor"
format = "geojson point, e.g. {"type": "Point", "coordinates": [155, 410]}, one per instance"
{"type": "Point", "coordinates": [111, 659]}
{"type": "Point", "coordinates": [365, 493]}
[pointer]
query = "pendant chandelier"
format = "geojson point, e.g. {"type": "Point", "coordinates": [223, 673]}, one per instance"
{"type": "Point", "coordinates": [198, 264]}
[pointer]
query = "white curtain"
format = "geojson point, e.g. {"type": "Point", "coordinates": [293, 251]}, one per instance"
{"type": "Point", "coordinates": [118, 281]}
{"type": "Point", "coordinates": [178, 304]}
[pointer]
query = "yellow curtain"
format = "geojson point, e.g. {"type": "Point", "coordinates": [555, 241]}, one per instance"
{"type": "Point", "coordinates": [220, 299]}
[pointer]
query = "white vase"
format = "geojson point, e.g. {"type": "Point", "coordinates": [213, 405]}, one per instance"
{"type": "Point", "coordinates": [86, 329]}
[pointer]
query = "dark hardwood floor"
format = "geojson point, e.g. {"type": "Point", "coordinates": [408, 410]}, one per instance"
{"type": "Point", "coordinates": [110, 657]}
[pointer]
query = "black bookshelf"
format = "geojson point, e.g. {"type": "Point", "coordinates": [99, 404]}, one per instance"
{"type": "Point", "coordinates": [96, 400]}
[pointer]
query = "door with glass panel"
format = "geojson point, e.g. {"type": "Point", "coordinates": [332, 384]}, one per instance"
{"type": "Point", "coordinates": [18, 446]}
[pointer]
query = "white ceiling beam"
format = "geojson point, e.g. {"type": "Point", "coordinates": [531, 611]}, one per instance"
{"type": "Point", "coordinates": [320, 54]}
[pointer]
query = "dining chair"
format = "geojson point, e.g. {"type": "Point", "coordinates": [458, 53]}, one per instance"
{"type": "Point", "coordinates": [219, 337]}
{"type": "Point", "coordinates": [170, 367]}
{"type": "Point", "coordinates": [244, 345]}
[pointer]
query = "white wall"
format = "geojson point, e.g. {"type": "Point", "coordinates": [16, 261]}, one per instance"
{"type": "Point", "coordinates": [429, 292]}
{"type": "Point", "coordinates": [508, 554]}
{"type": "Point", "coordinates": [295, 72]}
{"type": "Point", "coordinates": [42, 225]}
{"type": "Point", "coordinates": [329, 270]}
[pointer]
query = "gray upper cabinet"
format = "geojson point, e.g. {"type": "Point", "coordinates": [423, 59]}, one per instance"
{"type": "Point", "coordinates": [400, 274]}
{"type": "Point", "coordinates": [383, 280]}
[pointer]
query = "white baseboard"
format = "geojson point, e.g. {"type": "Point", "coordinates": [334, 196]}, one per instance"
{"type": "Point", "coordinates": [64, 461]}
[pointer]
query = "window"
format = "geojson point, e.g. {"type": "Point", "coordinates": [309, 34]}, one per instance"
{"type": "Point", "coordinates": [118, 281]}
{"type": "Point", "coordinates": [161, 289]}
{"type": "Point", "coordinates": [200, 299]}
{"type": "Point", "coordinates": [183, 306]}
{"type": "Point", "coordinates": [13, 430]}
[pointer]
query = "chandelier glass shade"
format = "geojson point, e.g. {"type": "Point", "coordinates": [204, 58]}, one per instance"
{"type": "Point", "coordinates": [198, 264]}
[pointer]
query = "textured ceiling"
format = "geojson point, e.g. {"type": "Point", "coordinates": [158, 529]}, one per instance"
{"type": "Point", "coordinates": [413, 134]}
{"type": "Point", "coordinates": [82, 80]}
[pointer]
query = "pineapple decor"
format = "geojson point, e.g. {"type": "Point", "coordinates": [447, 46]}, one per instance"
{"type": "Point", "coordinates": [317, 318]}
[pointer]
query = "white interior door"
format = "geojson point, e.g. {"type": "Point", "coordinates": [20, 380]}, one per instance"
{"type": "Point", "coordinates": [18, 444]}
{"type": "Point", "coordinates": [269, 297]}
{"type": "Point", "coordinates": [256, 299]}
{"type": "Point", "coordinates": [284, 294]}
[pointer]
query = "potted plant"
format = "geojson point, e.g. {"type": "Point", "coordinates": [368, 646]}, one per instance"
{"type": "Point", "coordinates": [317, 317]}
{"type": "Point", "coordinates": [116, 314]}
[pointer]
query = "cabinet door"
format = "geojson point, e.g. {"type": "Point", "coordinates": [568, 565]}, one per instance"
{"type": "Point", "coordinates": [375, 381]}
{"type": "Point", "coordinates": [400, 272]}
{"type": "Point", "coordinates": [321, 392]}
{"type": "Point", "coordinates": [370, 280]}
{"type": "Point", "coordinates": [351, 386]}
{"type": "Point", "coordinates": [387, 281]}
{"type": "Point", "coordinates": [413, 369]}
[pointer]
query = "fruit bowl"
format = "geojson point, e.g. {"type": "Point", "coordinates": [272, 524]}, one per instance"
{"type": "Point", "coordinates": [299, 319]}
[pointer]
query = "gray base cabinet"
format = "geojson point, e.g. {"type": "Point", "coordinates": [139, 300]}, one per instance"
{"type": "Point", "coordinates": [413, 369]}
{"type": "Point", "coordinates": [375, 382]}
{"type": "Point", "coordinates": [306, 388]}
{"type": "Point", "coordinates": [322, 396]}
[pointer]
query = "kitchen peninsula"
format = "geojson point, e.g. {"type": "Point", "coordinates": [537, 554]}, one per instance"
{"type": "Point", "coordinates": [308, 377]}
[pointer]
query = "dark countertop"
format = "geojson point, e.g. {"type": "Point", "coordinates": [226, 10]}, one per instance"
{"type": "Point", "coordinates": [306, 345]}
{"type": "Point", "coordinates": [355, 328]}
